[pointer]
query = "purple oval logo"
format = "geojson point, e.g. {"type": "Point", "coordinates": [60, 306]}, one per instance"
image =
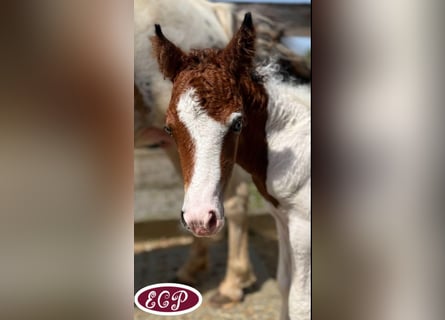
{"type": "Point", "coordinates": [168, 299]}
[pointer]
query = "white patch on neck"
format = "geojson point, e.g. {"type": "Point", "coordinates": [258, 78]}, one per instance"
{"type": "Point", "coordinates": [288, 131]}
{"type": "Point", "coordinates": [207, 136]}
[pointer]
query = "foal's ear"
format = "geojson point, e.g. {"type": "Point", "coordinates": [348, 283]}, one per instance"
{"type": "Point", "coordinates": [170, 58]}
{"type": "Point", "coordinates": [240, 51]}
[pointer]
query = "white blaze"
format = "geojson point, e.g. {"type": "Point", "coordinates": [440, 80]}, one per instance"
{"type": "Point", "coordinates": [207, 134]}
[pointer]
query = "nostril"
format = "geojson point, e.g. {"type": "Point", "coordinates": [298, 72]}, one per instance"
{"type": "Point", "coordinates": [183, 220]}
{"type": "Point", "coordinates": [212, 220]}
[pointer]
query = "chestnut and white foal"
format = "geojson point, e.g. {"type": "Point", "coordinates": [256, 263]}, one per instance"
{"type": "Point", "coordinates": [224, 111]}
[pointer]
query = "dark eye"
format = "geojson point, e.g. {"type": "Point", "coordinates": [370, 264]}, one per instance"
{"type": "Point", "coordinates": [237, 125]}
{"type": "Point", "coordinates": [168, 130]}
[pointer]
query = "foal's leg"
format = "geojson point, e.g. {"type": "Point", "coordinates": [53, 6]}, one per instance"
{"type": "Point", "coordinates": [239, 274]}
{"type": "Point", "coordinates": [284, 269]}
{"type": "Point", "coordinates": [300, 241]}
{"type": "Point", "coordinates": [300, 290]}
{"type": "Point", "coordinates": [198, 259]}
{"type": "Point", "coordinates": [294, 266]}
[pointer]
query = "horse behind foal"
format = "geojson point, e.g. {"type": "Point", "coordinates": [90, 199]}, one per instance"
{"type": "Point", "coordinates": [224, 111]}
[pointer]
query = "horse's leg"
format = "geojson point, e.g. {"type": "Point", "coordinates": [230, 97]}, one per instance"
{"type": "Point", "coordinates": [198, 259]}
{"type": "Point", "coordinates": [294, 269]}
{"type": "Point", "coordinates": [197, 262]}
{"type": "Point", "coordinates": [300, 241]}
{"type": "Point", "coordinates": [300, 290]}
{"type": "Point", "coordinates": [239, 273]}
{"type": "Point", "coordinates": [284, 262]}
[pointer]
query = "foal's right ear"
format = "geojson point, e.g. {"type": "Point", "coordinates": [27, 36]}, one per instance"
{"type": "Point", "coordinates": [170, 58]}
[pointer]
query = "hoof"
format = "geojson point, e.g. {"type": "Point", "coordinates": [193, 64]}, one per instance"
{"type": "Point", "coordinates": [254, 287]}
{"type": "Point", "coordinates": [219, 300]}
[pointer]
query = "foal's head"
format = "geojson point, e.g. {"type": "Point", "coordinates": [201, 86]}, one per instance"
{"type": "Point", "coordinates": [205, 118]}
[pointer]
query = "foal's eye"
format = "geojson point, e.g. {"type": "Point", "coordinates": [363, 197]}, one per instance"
{"type": "Point", "coordinates": [168, 130]}
{"type": "Point", "coordinates": [237, 125]}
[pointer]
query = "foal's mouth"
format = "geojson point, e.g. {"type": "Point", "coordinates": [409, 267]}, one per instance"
{"type": "Point", "coordinates": [214, 225]}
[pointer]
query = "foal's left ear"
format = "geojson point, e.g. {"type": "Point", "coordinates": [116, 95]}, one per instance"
{"type": "Point", "coordinates": [240, 51]}
{"type": "Point", "coordinates": [170, 58]}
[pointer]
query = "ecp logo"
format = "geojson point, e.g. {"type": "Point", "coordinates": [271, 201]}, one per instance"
{"type": "Point", "coordinates": [168, 299]}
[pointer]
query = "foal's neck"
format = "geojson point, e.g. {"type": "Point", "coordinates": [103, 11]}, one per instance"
{"type": "Point", "coordinates": [252, 153]}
